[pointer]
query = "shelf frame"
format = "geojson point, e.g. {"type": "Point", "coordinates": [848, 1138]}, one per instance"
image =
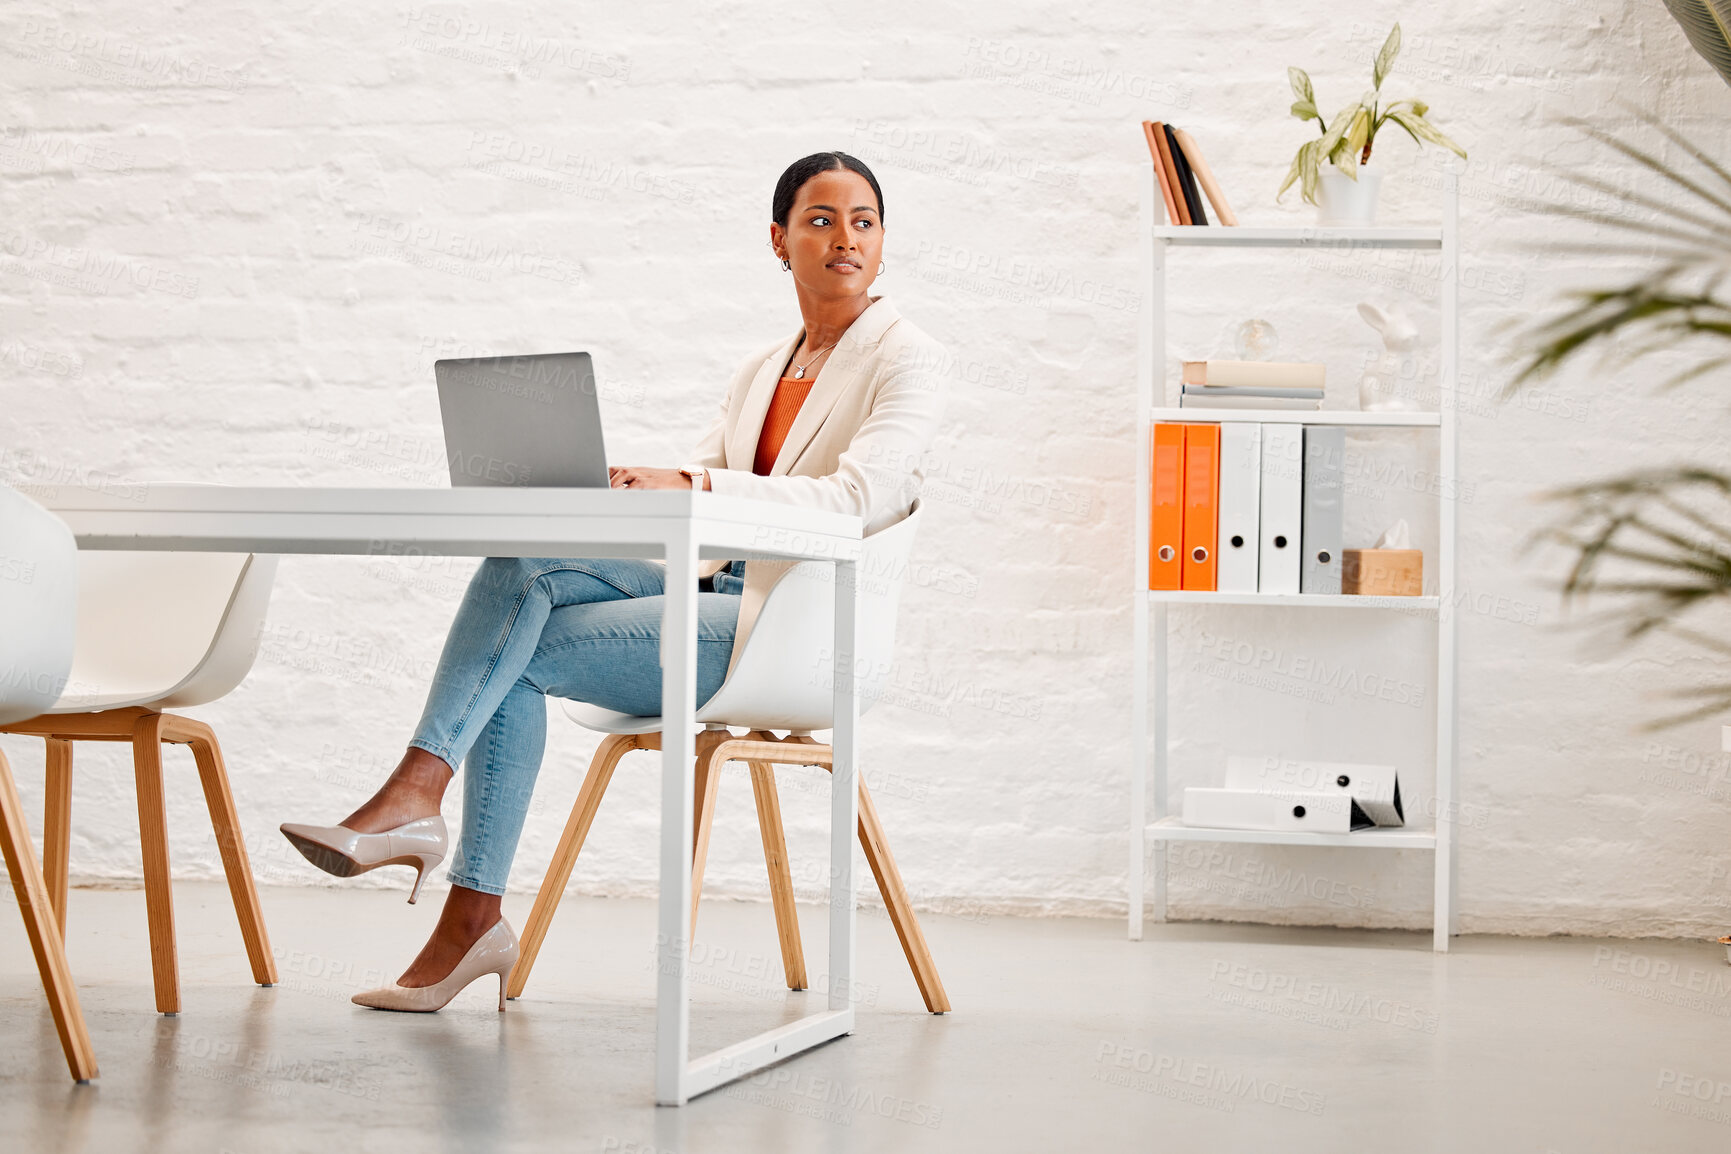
{"type": "Point", "coordinates": [1173, 829]}
{"type": "Point", "coordinates": [1151, 609]}
{"type": "Point", "coordinates": [1295, 600]}
{"type": "Point", "coordinates": [1351, 418]}
{"type": "Point", "coordinates": [1300, 236]}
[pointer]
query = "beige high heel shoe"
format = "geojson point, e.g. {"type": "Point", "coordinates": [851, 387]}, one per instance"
{"type": "Point", "coordinates": [494, 952]}
{"type": "Point", "coordinates": [339, 850]}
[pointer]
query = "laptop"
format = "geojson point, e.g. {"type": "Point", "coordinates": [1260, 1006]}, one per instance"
{"type": "Point", "coordinates": [528, 421]}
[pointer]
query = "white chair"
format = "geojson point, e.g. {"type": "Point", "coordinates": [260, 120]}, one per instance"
{"type": "Point", "coordinates": [38, 604]}
{"type": "Point", "coordinates": [780, 681]}
{"type": "Point", "coordinates": [158, 631]}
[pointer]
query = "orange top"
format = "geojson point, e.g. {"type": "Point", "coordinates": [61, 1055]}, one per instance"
{"type": "Point", "coordinates": [790, 394]}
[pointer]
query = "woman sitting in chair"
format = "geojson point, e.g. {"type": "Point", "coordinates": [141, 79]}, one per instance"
{"type": "Point", "coordinates": [837, 416]}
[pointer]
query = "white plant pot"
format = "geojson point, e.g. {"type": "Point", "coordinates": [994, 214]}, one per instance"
{"type": "Point", "coordinates": [1342, 202]}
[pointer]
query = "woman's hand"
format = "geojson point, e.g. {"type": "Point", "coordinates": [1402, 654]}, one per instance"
{"type": "Point", "coordinates": [635, 477]}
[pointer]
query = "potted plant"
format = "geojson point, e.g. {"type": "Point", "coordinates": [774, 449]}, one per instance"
{"type": "Point", "coordinates": [1345, 192]}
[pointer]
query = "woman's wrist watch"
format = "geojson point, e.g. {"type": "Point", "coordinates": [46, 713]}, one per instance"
{"type": "Point", "coordinates": [696, 474]}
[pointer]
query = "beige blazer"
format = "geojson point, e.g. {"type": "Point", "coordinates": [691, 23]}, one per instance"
{"type": "Point", "coordinates": [857, 445]}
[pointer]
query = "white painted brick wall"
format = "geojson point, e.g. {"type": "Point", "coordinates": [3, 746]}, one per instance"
{"type": "Point", "coordinates": [231, 300]}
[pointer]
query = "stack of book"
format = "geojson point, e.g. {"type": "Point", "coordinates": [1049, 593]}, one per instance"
{"type": "Point", "coordinates": [1179, 165]}
{"type": "Point", "coordinates": [1247, 507]}
{"type": "Point", "coordinates": [1251, 385]}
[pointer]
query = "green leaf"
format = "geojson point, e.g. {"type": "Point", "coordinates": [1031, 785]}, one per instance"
{"type": "Point", "coordinates": [1330, 140]}
{"type": "Point", "coordinates": [1313, 171]}
{"type": "Point", "coordinates": [1357, 137]}
{"type": "Point", "coordinates": [1705, 24]}
{"type": "Point", "coordinates": [1385, 57]}
{"type": "Point", "coordinates": [1294, 172]}
{"type": "Point", "coordinates": [1305, 110]}
{"type": "Point", "coordinates": [1401, 119]}
{"type": "Point", "coordinates": [1300, 81]}
{"type": "Point", "coordinates": [1304, 170]}
{"type": "Point", "coordinates": [1423, 129]}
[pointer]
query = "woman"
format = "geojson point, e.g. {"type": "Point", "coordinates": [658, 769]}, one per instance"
{"type": "Point", "coordinates": [837, 416]}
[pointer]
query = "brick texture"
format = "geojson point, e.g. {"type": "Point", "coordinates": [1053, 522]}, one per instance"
{"type": "Point", "coordinates": [232, 243]}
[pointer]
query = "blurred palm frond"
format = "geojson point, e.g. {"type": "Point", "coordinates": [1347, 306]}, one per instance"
{"type": "Point", "coordinates": [1683, 297]}
{"type": "Point", "coordinates": [1646, 539]}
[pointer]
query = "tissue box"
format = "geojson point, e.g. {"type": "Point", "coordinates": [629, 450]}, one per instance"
{"type": "Point", "coordinates": [1382, 572]}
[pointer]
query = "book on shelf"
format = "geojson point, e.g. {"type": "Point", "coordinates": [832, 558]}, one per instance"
{"type": "Point", "coordinates": [1207, 400]}
{"type": "Point", "coordinates": [1186, 179]}
{"type": "Point", "coordinates": [1184, 176]}
{"type": "Point", "coordinates": [1160, 171]}
{"type": "Point", "coordinates": [1169, 174]}
{"type": "Point", "coordinates": [1255, 374]}
{"type": "Point", "coordinates": [1252, 391]}
{"type": "Point", "coordinates": [1205, 176]}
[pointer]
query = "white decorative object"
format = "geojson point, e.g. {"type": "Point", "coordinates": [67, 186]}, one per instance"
{"type": "Point", "coordinates": [1257, 340]}
{"type": "Point", "coordinates": [1342, 202]}
{"type": "Point", "coordinates": [1379, 384]}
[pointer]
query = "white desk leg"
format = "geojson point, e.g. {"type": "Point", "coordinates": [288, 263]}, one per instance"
{"type": "Point", "coordinates": [678, 751]}
{"type": "Point", "coordinates": [844, 795]}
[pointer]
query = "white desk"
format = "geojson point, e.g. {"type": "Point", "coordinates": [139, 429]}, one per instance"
{"type": "Point", "coordinates": [682, 527]}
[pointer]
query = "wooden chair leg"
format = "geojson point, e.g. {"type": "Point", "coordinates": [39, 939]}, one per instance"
{"type": "Point", "coordinates": [230, 841]}
{"type": "Point", "coordinates": [45, 938]}
{"type": "Point", "coordinates": [780, 877]}
{"type": "Point", "coordinates": [707, 785]}
{"type": "Point", "coordinates": [153, 836]}
{"type": "Point", "coordinates": [901, 910]}
{"type": "Point", "coordinates": [57, 827]}
{"type": "Point", "coordinates": [601, 767]}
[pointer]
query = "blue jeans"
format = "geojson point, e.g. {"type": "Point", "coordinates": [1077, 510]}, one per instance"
{"type": "Point", "coordinates": [529, 628]}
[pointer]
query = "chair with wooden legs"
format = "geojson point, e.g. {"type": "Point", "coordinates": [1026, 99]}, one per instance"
{"type": "Point", "coordinates": [38, 621]}
{"type": "Point", "coordinates": [770, 687]}
{"type": "Point", "coordinates": [158, 631]}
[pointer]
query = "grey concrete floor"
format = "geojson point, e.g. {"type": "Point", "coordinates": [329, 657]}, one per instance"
{"type": "Point", "coordinates": [1065, 1037]}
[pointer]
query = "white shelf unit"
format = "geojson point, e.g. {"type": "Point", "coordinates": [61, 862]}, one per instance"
{"type": "Point", "coordinates": [1151, 608]}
